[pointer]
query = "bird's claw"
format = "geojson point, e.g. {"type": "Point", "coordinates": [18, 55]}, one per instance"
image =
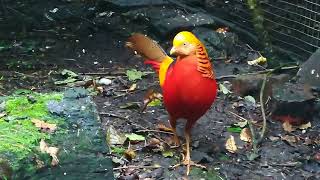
{"type": "Point", "coordinates": [189, 163]}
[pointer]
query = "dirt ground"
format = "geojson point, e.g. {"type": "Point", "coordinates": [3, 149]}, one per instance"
{"type": "Point", "coordinates": [82, 48]}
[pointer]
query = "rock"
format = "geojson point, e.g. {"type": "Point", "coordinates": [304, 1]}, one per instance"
{"type": "Point", "coordinates": [309, 72]}
{"type": "Point", "coordinates": [217, 44]}
{"type": "Point", "coordinates": [82, 143]}
{"type": "Point", "coordinates": [244, 85]}
{"type": "Point", "coordinates": [135, 3]}
{"type": "Point", "coordinates": [182, 21]}
{"type": "Point", "coordinates": [292, 103]}
{"type": "Point", "coordinates": [104, 81]}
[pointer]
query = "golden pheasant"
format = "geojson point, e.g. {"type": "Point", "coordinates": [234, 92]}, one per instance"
{"type": "Point", "coordinates": [188, 84]}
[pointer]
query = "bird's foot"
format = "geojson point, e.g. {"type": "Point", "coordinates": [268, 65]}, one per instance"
{"type": "Point", "coordinates": [187, 162]}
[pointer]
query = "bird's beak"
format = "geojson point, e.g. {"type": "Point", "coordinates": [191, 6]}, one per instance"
{"type": "Point", "coordinates": [173, 51]}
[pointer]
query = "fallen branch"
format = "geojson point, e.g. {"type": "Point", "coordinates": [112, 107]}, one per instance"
{"type": "Point", "coordinates": [104, 73]}
{"type": "Point", "coordinates": [138, 167]}
{"type": "Point", "coordinates": [267, 71]}
{"type": "Point", "coordinates": [264, 126]}
{"type": "Point", "coordinates": [112, 115]}
{"type": "Point", "coordinates": [152, 130]}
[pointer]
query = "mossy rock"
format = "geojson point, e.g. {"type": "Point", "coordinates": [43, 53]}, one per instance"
{"type": "Point", "coordinates": [78, 136]}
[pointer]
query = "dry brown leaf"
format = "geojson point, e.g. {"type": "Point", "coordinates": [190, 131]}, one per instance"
{"type": "Point", "coordinates": [154, 142]}
{"type": "Point", "coordinates": [231, 145]}
{"type": "Point", "coordinates": [130, 154]}
{"type": "Point", "coordinates": [222, 30]}
{"type": "Point", "coordinates": [100, 89]}
{"type": "Point", "coordinates": [149, 97]}
{"type": "Point", "coordinates": [274, 138]}
{"type": "Point", "coordinates": [259, 60]}
{"type": "Point", "coordinates": [305, 126]}
{"type": "Point", "coordinates": [52, 151]}
{"type": "Point", "coordinates": [163, 127]}
{"type": "Point", "coordinates": [132, 87]}
{"type": "Point", "coordinates": [39, 163]}
{"type": "Point", "coordinates": [245, 135]}
{"type": "Point", "coordinates": [43, 126]}
{"type": "Point", "coordinates": [288, 127]}
{"type": "Point", "coordinates": [290, 139]}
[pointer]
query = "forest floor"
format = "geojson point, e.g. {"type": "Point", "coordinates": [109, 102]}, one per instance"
{"type": "Point", "coordinates": [33, 56]}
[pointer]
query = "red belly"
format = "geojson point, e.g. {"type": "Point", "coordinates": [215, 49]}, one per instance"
{"type": "Point", "coordinates": [186, 93]}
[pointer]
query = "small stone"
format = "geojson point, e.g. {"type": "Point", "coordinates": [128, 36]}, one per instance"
{"type": "Point", "coordinates": [104, 81]}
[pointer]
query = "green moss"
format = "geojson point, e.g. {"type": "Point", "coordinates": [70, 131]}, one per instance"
{"type": "Point", "coordinates": [19, 106]}
{"type": "Point", "coordinates": [198, 173]}
{"type": "Point", "coordinates": [18, 136]}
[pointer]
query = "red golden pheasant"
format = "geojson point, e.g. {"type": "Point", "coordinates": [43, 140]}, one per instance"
{"type": "Point", "coordinates": [189, 86]}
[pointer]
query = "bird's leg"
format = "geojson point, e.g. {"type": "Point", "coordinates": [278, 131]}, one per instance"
{"type": "Point", "coordinates": [186, 159]}
{"type": "Point", "coordinates": [173, 123]}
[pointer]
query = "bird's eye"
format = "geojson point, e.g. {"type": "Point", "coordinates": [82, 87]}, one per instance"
{"type": "Point", "coordinates": [184, 44]}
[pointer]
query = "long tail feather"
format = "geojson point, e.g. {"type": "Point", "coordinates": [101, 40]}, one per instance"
{"type": "Point", "coordinates": [152, 53]}
{"type": "Point", "coordinates": [146, 47]}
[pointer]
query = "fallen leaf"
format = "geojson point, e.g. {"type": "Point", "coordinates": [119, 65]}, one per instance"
{"type": "Point", "coordinates": [222, 30]}
{"type": "Point", "coordinates": [52, 151]}
{"type": "Point", "coordinates": [274, 138]}
{"type": "Point", "coordinates": [250, 101]}
{"type": "Point", "coordinates": [167, 153]}
{"type": "Point", "coordinates": [290, 139]}
{"type": "Point", "coordinates": [259, 60]}
{"type": "Point", "coordinates": [231, 145]}
{"type": "Point", "coordinates": [151, 97]}
{"type": "Point", "coordinates": [118, 160]}
{"type": "Point", "coordinates": [132, 87]}
{"type": "Point", "coordinates": [130, 105]}
{"type": "Point", "coordinates": [113, 137]}
{"type": "Point", "coordinates": [156, 102]}
{"type": "Point", "coordinates": [224, 89]}
{"type": "Point", "coordinates": [154, 142]}
{"type": "Point", "coordinates": [39, 164]}
{"type": "Point", "coordinates": [66, 81]}
{"type": "Point", "coordinates": [130, 154]}
{"type": "Point", "coordinates": [134, 75]}
{"type": "Point", "coordinates": [252, 156]}
{"type": "Point", "coordinates": [135, 137]}
{"type": "Point", "coordinates": [117, 150]}
{"type": "Point", "coordinates": [241, 124]}
{"type": "Point", "coordinates": [305, 126]}
{"type": "Point", "coordinates": [69, 73]}
{"type": "Point", "coordinates": [163, 127]}
{"type": "Point", "coordinates": [288, 127]}
{"type": "Point", "coordinates": [234, 129]}
{"type": "Point", "coordinates": [100, 89]}
{"type": "Point", "coordinates": [317, 157]}
{"type": "Point", "coordinates": [245, 135]}
{"type": "Point", "coordinates": [43, 126]}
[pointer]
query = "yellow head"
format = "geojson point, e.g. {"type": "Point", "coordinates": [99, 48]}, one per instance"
{"type": "Point", "coordinates": [184, 44]}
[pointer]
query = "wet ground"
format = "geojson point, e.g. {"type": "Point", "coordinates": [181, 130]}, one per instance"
{"type": "Point", "coordinates": [37, 48]}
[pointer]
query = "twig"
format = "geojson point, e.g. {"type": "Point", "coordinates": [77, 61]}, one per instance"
{"type": "Point", "coordinates": [264, 127]}
{"type": "Point", "coordinates": [253, 134]}
{"type": "Point", "coordinates": [152, 130]}
{"type": "Point", "coordinates": [112, 115]}
{"type": "Point", "coordinates": [258, 72]}
{"type": "Point", "coordinates": [288, 164]}
{"type": "Point", "coordinates": [103, 73]}
{"type": "Point", "coordinates": [138, 167]}
{"type": "Point", "coordinates": [237, 115]}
